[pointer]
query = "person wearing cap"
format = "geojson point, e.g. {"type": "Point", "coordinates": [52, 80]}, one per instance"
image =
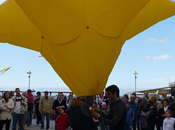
{"type": "Point", "coordinates": [38, 114]}
{"type": "Point", "coordinates": [45, 108]}
{"type": "Point", "coordinates": [30, 102]}
{"type": "Point", "coordinates": [141, 104]}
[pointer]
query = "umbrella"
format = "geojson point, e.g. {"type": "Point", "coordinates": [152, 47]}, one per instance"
{"type": "Point", "coordinates": [81, 39]}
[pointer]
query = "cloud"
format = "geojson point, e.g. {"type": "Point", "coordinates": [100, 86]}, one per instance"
{"type": "Point", "coordinates": [161, 57]}
{"type": "Point", "coordinates": [164, 40]}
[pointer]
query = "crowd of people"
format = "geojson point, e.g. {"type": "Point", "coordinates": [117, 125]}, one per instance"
{"type": "Point", "coordinates": [103, 112]}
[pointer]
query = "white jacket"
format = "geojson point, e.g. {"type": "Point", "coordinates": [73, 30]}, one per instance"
{"type": "Point", "coordinates": [5, 113]}
{"type": "Point", "coordinates": [168, 123]}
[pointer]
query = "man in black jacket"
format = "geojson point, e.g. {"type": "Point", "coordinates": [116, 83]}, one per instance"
{"type": "Point", "coordinates": [38, 114]}
{"type": "Point", "coordinates": [59, 103]}
{"type": "Point", "coordinates": [118, 110]}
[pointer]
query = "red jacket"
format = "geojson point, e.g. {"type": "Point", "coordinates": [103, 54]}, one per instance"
{"type": "Point", "coordinates": [62, 122]}
{"type": "Point", "coordinates": [30, 98]}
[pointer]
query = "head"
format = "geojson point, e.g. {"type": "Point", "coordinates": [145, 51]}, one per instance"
{"type": "Point", "coordinates": [24, 94]}
{"type": "Point", "coordinates": [17, 90]}
{"type": "Point", "coordinates": [103, 105]}
{"type": "Point", "coordinates": [6, 95]}
{"type": "Point", "coordinates": [94, 104]}
{"type": "Point", "coordinates": [112, 92]}
{"type": "Point", "coordinates": [132, 98]}
{"type": "Point", "coordinates": [75, 102]}
{"type": "Point", "coordinates": [61, 111]}
{"type": "Point", "coordinates": [165, 103]}
{"type": "Point", "coordinates": [125, 97]}
{"type": "Point", "coordinates": [29, 91]}
{"type": "Point", "coordinates": [168, 113]}
{"type": "Point", "coordinates": [127, 104]}
{"type": "Point", "coordinates": [38, 94]}
{"type": "Point", "coordinates": [153, 98]}
{"type": "Point", "coordinates": [46, 94]}
{"type": "Point", "coordinates": [60, 96]}
{"type": "Point", "coordinates": [146, 94]}
{"type": "Point", "coordinates": [139, 98]}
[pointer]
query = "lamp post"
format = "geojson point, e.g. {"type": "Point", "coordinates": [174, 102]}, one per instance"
{"type": "Point", "coordinates": [135, 79]}
{"type": "Point", "coordinates": [29, 73]}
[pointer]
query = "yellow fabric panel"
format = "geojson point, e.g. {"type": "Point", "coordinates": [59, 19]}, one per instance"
{"type": "Point", "coordinates": [153, 12]}
{"type": "Point", "coordinates": [163, 92]}
{"type": "Point", "coordinates": [84, 67]}
{"type": "Point", "coordinates": [16, 28]}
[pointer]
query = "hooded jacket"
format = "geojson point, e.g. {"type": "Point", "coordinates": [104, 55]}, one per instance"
{"type": "Point", "coordinates": [30, 101]}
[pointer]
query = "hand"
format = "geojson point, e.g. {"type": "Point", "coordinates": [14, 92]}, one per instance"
{"type": "Point", "coordinates": [63, 106]}
{"type": "Point", "coordinates": [22, 103]}
{"type": "Point", "coordinates": [151, 107]}
{"type": "Point", "coordinates": [96, 110]}
{"type": "Point", "coordinates": [164, 115]}
{"type": "Point", "coordinates": [37, 101]}
{"type": "Point", "coordinates": [58, 107]}
{"type": "Point", "coordinates": [94, 114]}
{"type": "Point", "coordinates": [146, 99]}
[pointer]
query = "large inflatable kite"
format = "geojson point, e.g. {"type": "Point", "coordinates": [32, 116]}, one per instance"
{"type": "Point", "coordinates": [81, 39]}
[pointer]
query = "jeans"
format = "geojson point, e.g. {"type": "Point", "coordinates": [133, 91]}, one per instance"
{"type": "Point", "coordinates": [17, 117]}
{"type": "Point", "coordinates": [38, 115]}
{"type": "Point", "coordinates": [55, 117]}
{"type": "Point", "coordinates": [6, 122]}
{"type": "Point", "coordinates": [47, 120]}
{"type": "Point", "coordinates": [128, 126]}
{"type": "Point", "coordinates": [134, 123]}
{"type": "Point", "coordinates": [29, 118]}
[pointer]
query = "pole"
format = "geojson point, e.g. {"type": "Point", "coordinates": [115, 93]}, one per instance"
{"type": "Point", "coordinates": [29, 81]}
{"type": "Point", "coordinates": [135, 82]}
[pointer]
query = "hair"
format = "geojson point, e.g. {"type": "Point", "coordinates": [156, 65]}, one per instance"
{"type": "Point", "coordinates": [5, 93]}
{"type": "Point", "coordinates": [16, 89]}
{"type": "Point", "coordinates": [165, 100]}
{"type": "Point", "coordinates": [59, 110]}
{"type": "Point", "coordinates": [113, 89]}
{"type": "Point", "coordinates": [127, 102]}
{"type": "Point", "coordinates": [29, 90]}
{"type": "Point", "coordinates": [39, 93]}
{"type": "Point", "coordinates": [11, 94]}
{"type": "Point", "coordinates": [125, 95]}
{"type": "Point", "coordinates": [75, 102]}
{"type": "Point", "coordinates": [169, 112]}
{"type": "Point", "coordinates": [146, 92]}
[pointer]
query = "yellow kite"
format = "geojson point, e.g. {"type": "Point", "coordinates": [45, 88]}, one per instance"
{"type": "Point", "coordinates": [81, 39]}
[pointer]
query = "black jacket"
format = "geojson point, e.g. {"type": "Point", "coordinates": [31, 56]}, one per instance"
{"type": "Point", "coordinates": [78, 121]}
{"type": "Point", "coordinates": [37, 103]}
{"type": "Point", "coordinates": [117, 115]}
{"type": "Point", "coordinates": [56, 104]}
{"type": "Point", "coordinates": [172, 108]}
{"type": "Point", "coordinates": [146, 108]}
{"type": "Point", "coordinates": [162, 112]}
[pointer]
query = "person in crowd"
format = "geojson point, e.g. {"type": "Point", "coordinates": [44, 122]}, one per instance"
{"type": "Point", "coordinates": [172, 108]}
{"type": "Point", "coordinates": [69, 98]}
{"type": "Point", "coordinates": [162, 112]}
{"type": "Point", "coordinates": [80, 117]}
{"type": "Point", "coordinates": [129, 117]}
{"type": "Point", "coordinates": [62, 120]}
{"type": "Point", "coordinates": [25, 109]}
{"type": "Point", "coordinates": [116, 117]}
{"type": "Point", "coordinates": [11, 94]}
{"type": "Point", "coordinates": [152, 107]}
{"type": "Point", "coordinates": [141, 104]}
{"type": "Point", "coordinates": [105, 110]}
{"type": "Point", "coordinates": [136, 110]}
{"type": "Point", "coordinates": [100, 99]}
{"type": "Point", "coordinates": [19, 109]}
{"type": "Point", "coordinates": [94, 105]}
{"type": "Point", "coordinates": [106, 99]}
{"type": "Point", "coordinates": [159, 105]}
{"type": "Point", "coordinates": [38, 114]}
{"type": "Point", "coordinates": [125, 98]}
{"type": "Point", "coordinates": [45, 108]}
{"type": "Point", "coordinates": [146, 97]}
{"type": "Point", "coordinates": [6, 105]}
{"type": "Point", "coordinates": [168, 123]}
{"type": "Point", "coordinates": [59, 103]}
{"type": "Point", "coordinates": [30, 102]}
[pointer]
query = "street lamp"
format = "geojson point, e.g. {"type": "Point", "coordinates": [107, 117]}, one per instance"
{"type": "Point", "coordinates": [135, 79]}
{"type": "Point", "coordinates": [29, 73]}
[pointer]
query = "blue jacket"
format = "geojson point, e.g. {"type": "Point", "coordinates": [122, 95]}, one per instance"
{"type": "Point", "coordinates": [135, 108]}
{"type": "Point", "coordinates": [130, 115]}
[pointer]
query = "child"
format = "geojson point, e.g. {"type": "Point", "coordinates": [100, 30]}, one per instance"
{"type": "Point", "coordinates": [168, 123]}
{"type": "Point", "coordinates": [129, 117]}
{"type": "Point", "coordinates": [62, 120]}
{"type": "Point", "coordinates": [105, 110]}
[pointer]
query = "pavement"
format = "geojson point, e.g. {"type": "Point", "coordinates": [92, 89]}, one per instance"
{"type": "Point", "coordinates": [33, 127]}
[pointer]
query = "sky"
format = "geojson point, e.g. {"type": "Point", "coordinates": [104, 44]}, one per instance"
{"type": "Point", "coordinates": [150, 53]}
